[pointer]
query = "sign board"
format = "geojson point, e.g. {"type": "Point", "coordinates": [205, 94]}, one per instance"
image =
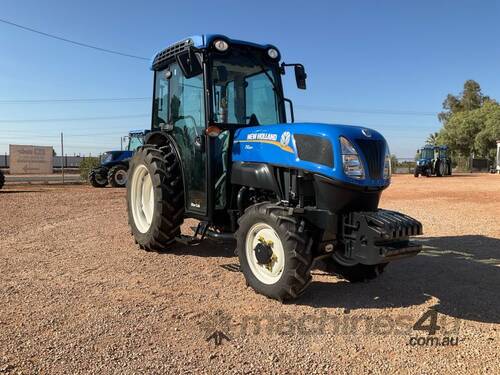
{"type": "Point", "coordinates": [31, 159]}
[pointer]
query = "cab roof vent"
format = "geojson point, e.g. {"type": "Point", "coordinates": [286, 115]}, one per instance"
{"type": "Point", "coordinates": [169, 53]}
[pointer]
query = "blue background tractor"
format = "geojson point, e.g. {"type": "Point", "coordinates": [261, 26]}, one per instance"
{"type": "Point", "coordinates": [433, 161]}
{"type": "Point", "coordinates": [291, 194]}
{"type": "Point", "coordinates": [114, 164]}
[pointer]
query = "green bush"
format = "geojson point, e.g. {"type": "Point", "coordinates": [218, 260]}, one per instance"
{"type": "Point", "coordinates": [87, 164]}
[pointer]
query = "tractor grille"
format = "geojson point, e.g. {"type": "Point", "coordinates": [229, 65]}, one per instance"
{"type": "Point", "coordinates": [374, 152]}
{"type": "Point", "coordinates": [170, 52]}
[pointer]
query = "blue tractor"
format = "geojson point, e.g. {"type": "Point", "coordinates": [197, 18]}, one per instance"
{"type": "Point", "coordinates": [433, 161]}
{"type": "Point", "coordinates": [114, 164]}
{"type": "Point", "coordinates": [292, 195]}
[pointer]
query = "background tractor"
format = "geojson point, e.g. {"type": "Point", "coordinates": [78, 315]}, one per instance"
{"type": "Point", "coordinates": [433, 161]}
{"type": "Point", "coordinates": [114, 164]}
{"type": "Point", "coordinates": [221, 151]}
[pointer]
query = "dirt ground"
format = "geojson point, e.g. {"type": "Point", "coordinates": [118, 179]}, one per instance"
{"type": "Point", "coordinates": [78, 296]}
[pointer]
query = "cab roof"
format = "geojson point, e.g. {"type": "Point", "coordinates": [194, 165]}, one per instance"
{"type": "Point", "coordinates": [442, 147]}
{"type": "Point", "coordinates": [197, 41]}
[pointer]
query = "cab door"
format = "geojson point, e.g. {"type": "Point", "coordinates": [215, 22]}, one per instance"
{"type": "Point", "coordinates": [187, 115]}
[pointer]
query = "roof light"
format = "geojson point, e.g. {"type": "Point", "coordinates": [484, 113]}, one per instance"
{"type": "Point", "coordinates": [272, 53]}
{"type": "Point", "coordinates": [221, 45]}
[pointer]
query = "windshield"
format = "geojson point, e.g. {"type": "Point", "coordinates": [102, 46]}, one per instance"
{"type": "Point", "coordinates": [243, 89]}
{"type": "Point", "coordinates": [426, 153]}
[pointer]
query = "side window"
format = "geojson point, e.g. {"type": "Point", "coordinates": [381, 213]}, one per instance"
{"type": "Point", "coordinates": [160, 104]}
{"type": "Point", "coordinates": [186, 101]}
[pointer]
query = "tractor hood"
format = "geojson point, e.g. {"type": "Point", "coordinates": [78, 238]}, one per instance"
{"type": "Point", "coordinates": [115, 156]}
{"type": "Point", "coordinates": [423, 161]}
{"type": "Point", "coordinates": [314, 147]}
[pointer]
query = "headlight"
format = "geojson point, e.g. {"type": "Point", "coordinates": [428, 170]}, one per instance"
{"type": "Point", "coordinates": [272, 53]}
{"type": "Point", "coordinates": [221, 45]}
{"type": "Point", "coordinates": [353, 167]}
{"type": "Point", "coordinates": [387, 164]}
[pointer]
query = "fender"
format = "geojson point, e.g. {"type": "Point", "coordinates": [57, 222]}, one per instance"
{"type": "Point", "coordinates": [157, 138]}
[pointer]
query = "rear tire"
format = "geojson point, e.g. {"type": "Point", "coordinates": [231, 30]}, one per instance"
{"type": "Point", "coordinates": [355, 273]}
{"type": "Point", "coordinates": [2, 179]}
{"type": "Point", "coordinates": [117, 176]}
{"type": "Point", "coordinates": [287, 273]}
{"type": "Point", "coordinates": [98, 177]}
{"type": "Point", "coordinates": [155, 197]}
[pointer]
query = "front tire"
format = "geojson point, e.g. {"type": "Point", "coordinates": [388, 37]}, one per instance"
{"type": "Point", "coordinates": [155, 197]}
{"type": "Point", "coordinates": [2, 179]}
{"type": "Point", "coordinates": [274, 251]}
{"type": "Point", "coordinates": [98, 177]}
{"type": "Point", "coordinates": [440, 169]}
{"type": "Point", "coordinates": [117, 176]}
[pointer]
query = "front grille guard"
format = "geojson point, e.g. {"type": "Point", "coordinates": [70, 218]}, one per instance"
{"type": "Point", "coordinates": [379, 236]}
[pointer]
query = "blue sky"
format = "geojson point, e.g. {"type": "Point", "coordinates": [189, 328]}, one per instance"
{"type": "Point", "coordinates": [361, 56]}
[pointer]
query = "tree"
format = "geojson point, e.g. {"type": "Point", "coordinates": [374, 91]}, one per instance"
{"type": "Point", "coordinates": [432, 139]}
{"type": "Point", "coordinates": [470, 98]}
{"type": "Point", "coordinates": [471, 122]}
{"type": "Point", "coordinates": [485, 140]}
{"type": "Point", "coordinates": [473, 132]}
{"type": "Point", "coordinates": [394, 162]}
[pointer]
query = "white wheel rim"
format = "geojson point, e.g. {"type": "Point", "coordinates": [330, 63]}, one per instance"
{"type": "Point", "coordinates": [271, 273]}
{"type": "Point", "coordinates": [121, 177]}
{"type": "Point", "coordinates": [142, 198]}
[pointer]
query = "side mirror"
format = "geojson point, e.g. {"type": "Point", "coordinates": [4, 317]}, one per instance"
{"type": "Point", "coordinates": [300, 76]}
{"type": "Point", "coordinates": [189, 63]}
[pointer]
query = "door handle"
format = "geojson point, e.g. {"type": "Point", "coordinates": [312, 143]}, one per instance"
{"type": "Point", "coordinates": [199, 143]}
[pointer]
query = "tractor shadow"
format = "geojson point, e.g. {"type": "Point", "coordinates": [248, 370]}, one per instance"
{"type": "Point", "coordinates": [20, 191]}
{"type": "Point", "coordinates": [462, 272]}
{"type": "Point", "coordinates": [207, 248]}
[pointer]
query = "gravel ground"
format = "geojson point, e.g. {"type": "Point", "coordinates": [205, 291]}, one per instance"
{"type": "Point", "coordinates": [77, 296]}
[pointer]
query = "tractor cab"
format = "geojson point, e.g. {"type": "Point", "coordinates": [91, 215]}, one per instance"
{"type": "Point", "coordinates": [224, 149]}
{"type": "Point", "coordinates": [211, 85]}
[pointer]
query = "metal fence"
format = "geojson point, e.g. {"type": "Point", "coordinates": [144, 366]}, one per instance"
{"type": "Point", "coordinates": [69, 161]}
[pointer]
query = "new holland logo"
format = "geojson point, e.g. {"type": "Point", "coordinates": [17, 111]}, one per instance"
{"type": "Point", "coordinates": [262, 136]}
{"type": "Point", "coordinates": [366, 133]}
{"type": "Point", "coordinates": [270, 139]}
{"type": "Point", "coordinates": [285, 138]}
